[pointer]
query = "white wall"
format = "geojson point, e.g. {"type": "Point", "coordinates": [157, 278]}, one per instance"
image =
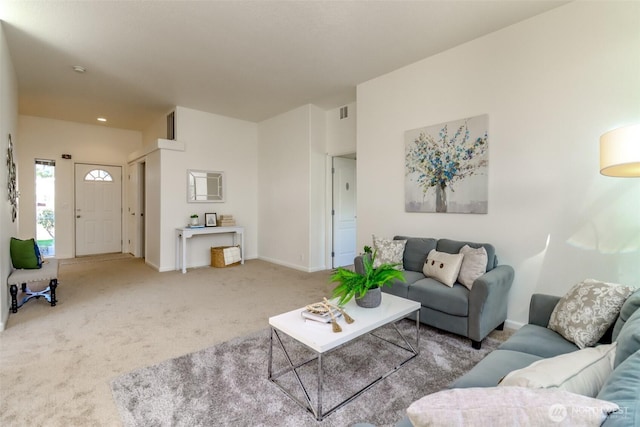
{"type": "Point", "coordinates": [341, 133]}
{"type": "Point", "coordinates": [551, 86]}
{"type": "Point", "coordinates": [214, 143]}
{"type": "Point", "coordinates": [283, 189]}
{"type": "Point", "coordinates": [8, 125]}
{"type": "Point", "coordinates": [317, 182]}
{"type": "Point", "coordinates": [43, 138]}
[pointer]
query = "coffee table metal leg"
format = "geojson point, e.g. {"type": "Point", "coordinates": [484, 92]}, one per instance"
{"type": "Point", "coordinates": [292, 368]}
{"type": "Point", "coordinates": [319, 413]}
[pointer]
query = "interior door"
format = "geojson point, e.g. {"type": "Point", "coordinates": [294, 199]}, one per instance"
{"type": "Point", "coordinates": [344, 211]}
{"type": "Point", "coordinates": [98, 191]}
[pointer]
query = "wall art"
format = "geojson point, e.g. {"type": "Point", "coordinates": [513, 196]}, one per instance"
{"type": "Point", "coordinates": [447, 167]}
{"type": "Point", "coordinates": [12, 186]}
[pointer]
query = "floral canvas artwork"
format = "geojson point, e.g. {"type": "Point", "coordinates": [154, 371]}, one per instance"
{"type": "Point", "coordinates": [447, 167]}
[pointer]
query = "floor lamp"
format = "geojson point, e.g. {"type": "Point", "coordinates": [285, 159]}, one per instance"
{"type": "Point", "coordinates": [620, 152]}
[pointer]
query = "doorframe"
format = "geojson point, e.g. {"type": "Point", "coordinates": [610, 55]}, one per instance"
{"type": "Point", "coordinates": [141, 200]}
{"type": "Point", "coordinates": [123, 229]}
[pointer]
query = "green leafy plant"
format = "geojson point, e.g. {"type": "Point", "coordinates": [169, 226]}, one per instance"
{"type": "Point", "coordinates": [194, 216]}
{"type": "Point", "coordinates": [47, 220]}
{"type": "Point", "coordinates": [351, 283]}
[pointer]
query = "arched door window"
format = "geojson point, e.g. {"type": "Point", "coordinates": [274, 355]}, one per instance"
{"type": "Point", "coordinates": [98, 175]}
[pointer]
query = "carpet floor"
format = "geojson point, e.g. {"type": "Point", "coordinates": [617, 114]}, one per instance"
{"type": "Point", "coordinates": [227, 384]}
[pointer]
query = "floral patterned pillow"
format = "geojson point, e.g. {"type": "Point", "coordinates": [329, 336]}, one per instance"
{"type": "Point", "coordinates": [388, 252]}
{"type": "Point", "coordinates": [585, 313]}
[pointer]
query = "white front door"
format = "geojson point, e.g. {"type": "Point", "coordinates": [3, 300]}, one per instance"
{"type": "Point", "coordinates": [344, 211]}
{"type": "Point", "coordinates": [98, 209]}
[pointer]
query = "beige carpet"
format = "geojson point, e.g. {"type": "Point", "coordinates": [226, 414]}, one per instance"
{"type": "Point", "coordinates": [114, 316]}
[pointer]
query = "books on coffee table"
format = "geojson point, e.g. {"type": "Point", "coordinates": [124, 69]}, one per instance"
{"type": "Point", "coordinates": [323, 318]}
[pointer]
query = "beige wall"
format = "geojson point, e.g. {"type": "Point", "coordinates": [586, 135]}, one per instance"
{"type": "Point", "coordinates": [551, 86]}
{"type": "Point", "coordinates": [8, 125]}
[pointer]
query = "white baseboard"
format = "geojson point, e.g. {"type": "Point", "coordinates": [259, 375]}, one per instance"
{"type": "Point", "coordinates": [512, 324]}
{"type": "Point", "coordinates": [286, 264]}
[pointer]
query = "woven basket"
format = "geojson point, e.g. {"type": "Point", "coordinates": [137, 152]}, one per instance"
{"type": "Point", "coordinates": [217, 257]}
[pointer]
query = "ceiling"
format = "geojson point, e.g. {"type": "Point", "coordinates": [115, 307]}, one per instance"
{"type": "Point", "coordinates": [245, 59]}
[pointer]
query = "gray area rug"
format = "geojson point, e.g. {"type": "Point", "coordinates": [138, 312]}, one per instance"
{"type": "Point", "coordinates": [227, 385]}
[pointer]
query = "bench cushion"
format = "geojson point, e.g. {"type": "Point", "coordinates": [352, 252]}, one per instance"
{"type": "Point", "coordinates": [48, 271]}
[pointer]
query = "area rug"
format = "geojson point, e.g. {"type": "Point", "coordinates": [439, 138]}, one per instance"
{"type": "Point", "coordinates": [227, 384]}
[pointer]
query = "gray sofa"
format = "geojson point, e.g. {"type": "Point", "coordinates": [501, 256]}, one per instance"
{"type": "Point", "coordinates": [471, 313]}
{"type": "Point", "coordinates": [535, 341]}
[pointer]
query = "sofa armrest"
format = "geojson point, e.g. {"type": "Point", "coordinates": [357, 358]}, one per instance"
{"type": "Point", "coordinates": [358, 264]}
{"type": "Point", "coordinates": [541, 307]}
{"type": "Point", "coordinates": [488, 301]}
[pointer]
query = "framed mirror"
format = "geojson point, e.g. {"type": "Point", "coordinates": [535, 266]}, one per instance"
{"type": "Point", "coordinates": [205, 186]}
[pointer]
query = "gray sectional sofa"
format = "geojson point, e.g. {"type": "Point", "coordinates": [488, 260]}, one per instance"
{"type": "Point", "coordinates": [471, 313]}
{"type": "Point", "coordinates": [535, 341]}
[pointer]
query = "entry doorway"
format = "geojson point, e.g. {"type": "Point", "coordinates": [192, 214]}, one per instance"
{"type": "Point", "coordinates": [98, 193]}
{"type": "Point", "coordinates": [344, 210]}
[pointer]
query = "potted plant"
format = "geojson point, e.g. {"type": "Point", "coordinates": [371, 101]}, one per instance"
{"type": "Point", "coordinates": [194, 219]}
{"type": "Point", "coordinates": [364, 287]}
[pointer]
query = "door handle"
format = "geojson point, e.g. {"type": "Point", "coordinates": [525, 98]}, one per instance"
{"type": "Point", "coordinates": [77, 216]}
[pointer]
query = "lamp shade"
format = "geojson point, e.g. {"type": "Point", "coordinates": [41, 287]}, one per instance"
{"type": "Point", "coordinates": [620, 152]}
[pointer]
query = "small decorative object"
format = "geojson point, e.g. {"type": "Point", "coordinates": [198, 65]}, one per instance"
{"type": "Point", "coordinates": [210, 220]}
{"type": "Point", "coordinates": [12, 186]}
{"type": "Point", "coordinates": [445, 157]}
{"type": "Point", "coordinates": [194, 219]}
{"type": "Point", "coordinates": [359, 285]}
{"type": "Point", "coordinates": [226, 220]}
{"type": "Point", "coordinates": [326, 312]}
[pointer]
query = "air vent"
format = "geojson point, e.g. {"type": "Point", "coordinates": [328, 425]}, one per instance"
{"type": "Point", "coordinates": [344, 112]}
{"type": "Point", "coordinates": [171, 126]}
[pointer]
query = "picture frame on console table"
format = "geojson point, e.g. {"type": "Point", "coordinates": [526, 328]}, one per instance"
{"type": "Point", "coordinates": [211, 220]}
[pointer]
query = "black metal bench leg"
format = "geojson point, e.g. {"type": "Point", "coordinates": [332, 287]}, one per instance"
{"type": "Point", "coordinates": [14, 298]}
{"type": "Point", "coordinates": [53, 284]}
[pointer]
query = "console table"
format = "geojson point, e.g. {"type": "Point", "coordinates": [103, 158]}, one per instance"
{"type": "Point", "coordinates": [184, 233]}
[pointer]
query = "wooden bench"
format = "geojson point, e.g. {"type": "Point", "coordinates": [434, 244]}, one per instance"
{"type": "Point", "coordinates": [24, 277]}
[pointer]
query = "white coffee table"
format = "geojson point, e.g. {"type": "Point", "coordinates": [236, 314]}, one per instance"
{"type": "Point", "coordinates": [323, 340]}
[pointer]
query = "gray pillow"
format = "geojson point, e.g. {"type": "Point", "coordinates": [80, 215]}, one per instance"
{"type": "Point", "coordinates": [585, 313]}
{"type": "Point", "coordinates": [454, 246]}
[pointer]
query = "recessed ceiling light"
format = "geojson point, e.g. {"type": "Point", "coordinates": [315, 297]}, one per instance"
{"type": "Point", "coordinates": [79, 69]}
{"type": "Point", "coordinates": [102, 119]}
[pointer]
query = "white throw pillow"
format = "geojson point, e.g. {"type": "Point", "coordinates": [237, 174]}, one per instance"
{"type": "Point", "coordinates": [388, 252]}
{"type": "Point", "coordinates": [474, 264]}
{"type": "Point", "coordinates": [583, 372]}
{"type": "Point", "coordinates": [507, 407]}
{"type": "Point", "coordinates": [584, 314]}
{"type": "Point", "coordinates": [442, 266]}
